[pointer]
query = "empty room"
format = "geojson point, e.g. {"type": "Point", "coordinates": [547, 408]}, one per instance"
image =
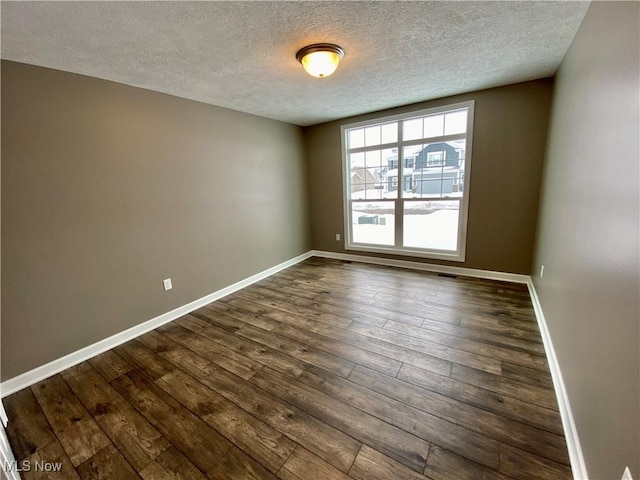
{"type": "Point", "coordinates": [307, 240]}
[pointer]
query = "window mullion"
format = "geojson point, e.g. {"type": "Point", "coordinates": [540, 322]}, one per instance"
{"type": "Point", "coordinates": [399, 208]}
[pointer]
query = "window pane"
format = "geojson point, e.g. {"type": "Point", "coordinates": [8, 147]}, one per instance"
{"type": "Point", "coordinates": [428, 185]}
{"type": "Point", "coordinates": [412, 129]}
{"type": "Point", "coordinates": [455, 122]}
{"type": "Point", "coordinates": [438, 169]}
{"type": "Point", "coordinates": [356, 138]}
{"type": "Point", "coordinates": [373, 223]}
{"type": "Point", "coordinates": [432, 225]}
{"type": "Point", "coordinates": [409, 155]}
{"type": "Point", "coordinates": [369, 175]}
{"type": "Point", "coordinates": [433, 126]}
{"type": "Point", "coordinates": [390, 132]}
{"type": "Point", "coordinates": [372, 159]}
{"type": "Point", "coordinates": [356, 159]}
{"type": "Point", "coordinates": [458, 150]}
{"type": "Point", "coordinates": [372, 136]}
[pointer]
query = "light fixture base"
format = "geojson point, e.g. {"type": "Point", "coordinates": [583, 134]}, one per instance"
{"type": "Point", "coordinates": [319, 47]}
{"type": "Point", "coordinates": [320, 59]}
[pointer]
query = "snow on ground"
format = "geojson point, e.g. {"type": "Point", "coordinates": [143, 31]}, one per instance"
{"type": "Point", "coordinates": [374, 194]}
{"type": "Point", "coordinates": [437, 230]}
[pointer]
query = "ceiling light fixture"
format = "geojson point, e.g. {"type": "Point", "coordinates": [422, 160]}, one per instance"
{"type": "Point", "coordinates": [320, 59]}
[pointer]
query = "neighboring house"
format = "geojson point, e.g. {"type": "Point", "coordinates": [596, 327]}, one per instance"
{"type": "Point", "coordinates": [434, 154]}
{"type": "Point", "coordinates": [392, 179]}
{"type": "Point", "coordinates": [363, 179]}
{"type": "Point", "coordinates": [434, 170]}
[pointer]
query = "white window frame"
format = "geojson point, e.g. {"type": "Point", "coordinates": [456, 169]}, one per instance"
{"type": "Point", "coordinates": [459, 254]}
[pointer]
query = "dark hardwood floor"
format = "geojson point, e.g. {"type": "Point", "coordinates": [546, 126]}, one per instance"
{"type": "Point", "coordinates": [327, 370]}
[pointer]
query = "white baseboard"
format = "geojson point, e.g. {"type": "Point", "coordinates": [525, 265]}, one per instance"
{"type": "Point", "coordinates": [578, 466]}
{"type": "Point", "coordinates": [40, 373]}
{"type": "Point", "coordinates": [3, 415]}
{"type": "Point", "coordinates": [427, 267]}
{"type": "Point", "coordinates": [7, 458]}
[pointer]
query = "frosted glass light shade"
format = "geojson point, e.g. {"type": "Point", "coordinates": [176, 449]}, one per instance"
{"type": "Point", "coordinates": [321, 59]}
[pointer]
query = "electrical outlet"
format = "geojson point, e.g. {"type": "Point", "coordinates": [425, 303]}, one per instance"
{"type": "Point", "coordinates": [167, 284]}
{"type": "Point", "coordinates": [337, 237]}
{"type": "Point", "coordinates": [627, 474]}
{"type": "Point", "coordinates": [541, 271]}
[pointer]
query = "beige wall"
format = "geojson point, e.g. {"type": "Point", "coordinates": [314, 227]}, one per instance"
{"type": "Point", "coordinates": [510, 129]}
{"type": "Point", "coordinates": [108, 189]}
{"type": "Point", "coordinates": [588, 236]}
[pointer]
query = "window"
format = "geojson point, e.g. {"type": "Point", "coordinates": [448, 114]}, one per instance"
{"type": "Point", "coordinates": [417, 199]}
{"type": "Point", "coordinates": [435, 159]}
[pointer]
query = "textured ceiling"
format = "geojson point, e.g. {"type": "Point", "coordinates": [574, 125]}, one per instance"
{"type": "Point", "coordinates": [241, 55]}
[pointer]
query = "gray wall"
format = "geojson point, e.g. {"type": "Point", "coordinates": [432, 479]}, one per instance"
{"type": "Point", "coordinates": [510, 129]}
{"type": "Point", "coordinates": [108, 189]}
{"type": "Point", "coordinates": [588, 236]}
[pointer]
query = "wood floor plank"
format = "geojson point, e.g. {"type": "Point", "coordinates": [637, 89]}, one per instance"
{"type": "Point", "coordinates": [497, 335]}
{"type": "Point", "coordinates": [289, 307]}
{"type": "Point", "coordinates": [218, 319]}
{"type": "Point", "coordinates": [305, 353]}
{"type": "Point", "coordinates": [505, 386]}
{"type": "Point", "coordinates": [237, 465]}
{"type": "Point", "coordinates": [347, 351]}
{"type": "Point", "coordinates": [496, 325]}
{"type": "Point", "coordinates": [488, 345]}
{"type": "Point", "coordinates": [300, 279]}
{"type": "Point", "coordinates": [267, 445]}
{"type": "Point", "coordinates": [524, 465]}
{"type": "Point", "coordinates": [427, 426]}
{"type": "Point", "coordinates": [370, 464]}
{"type": "Point", "coordinates": [510, 407]}
{"type": "Point", "coordinates": [193, 323]}
{"type": "Point", "coordinates": [527, 374]}
{"type": "Point", "coordinates": [280, 316]}
{"type": "Point", "coordinates": [138, 441]}
{"type": "Point", "coordinates": [304, 465]}
{"type": "Point", "coordinates": [475, 419]}
{"type": "Point", "coordinates": [291, 296]}
{"type": "Point", "coordinates": [143, 359]}
{"type": "Point", "coordinates": [54, 455]}
{"type": "Point", "coordinates": [175, 353]}
{"type": "Point", "coordinates": [327, 442]}
{"type": "Point", "coordinates": [481, 304]}
{"type": "Point", "coordinates": [202, 445]}
{"type": "Point", "coordinates": [74, 427]}
{"type": "Point", "coordinates": [442, 313]}
{"type": "Point", "coordinates": [393, 441]}
{"type": "Point", "coordinates": [110, 365]}
{"type": "Point", "coordinates": [107, 464]}
{"type": "Point", "coordinates": [462, 357]}
{"type": "Point", "coordinates": [445, 465]}
{"type": "Point", "coordinates": [260, 353]}
{"type": "Point", "coordinates": [286, 286]}
{"type": "Point", "coordinates": [171, 465]}
{"type": "Point", "coordinates": [257, 321]}
{"type": "Point", "coordinates": [372, 345]}
{"type": "Point", "coordinates": [358, 303]}
{"type": "Point", "coordinates": [218, 354]}
{"type": "Point", "coordinates": [28, 430]}
{"type": "Point", "coordinates": [390, 310]}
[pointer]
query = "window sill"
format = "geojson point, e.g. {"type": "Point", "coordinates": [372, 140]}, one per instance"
{"type": "Point", "coordinates": [407, 252]}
